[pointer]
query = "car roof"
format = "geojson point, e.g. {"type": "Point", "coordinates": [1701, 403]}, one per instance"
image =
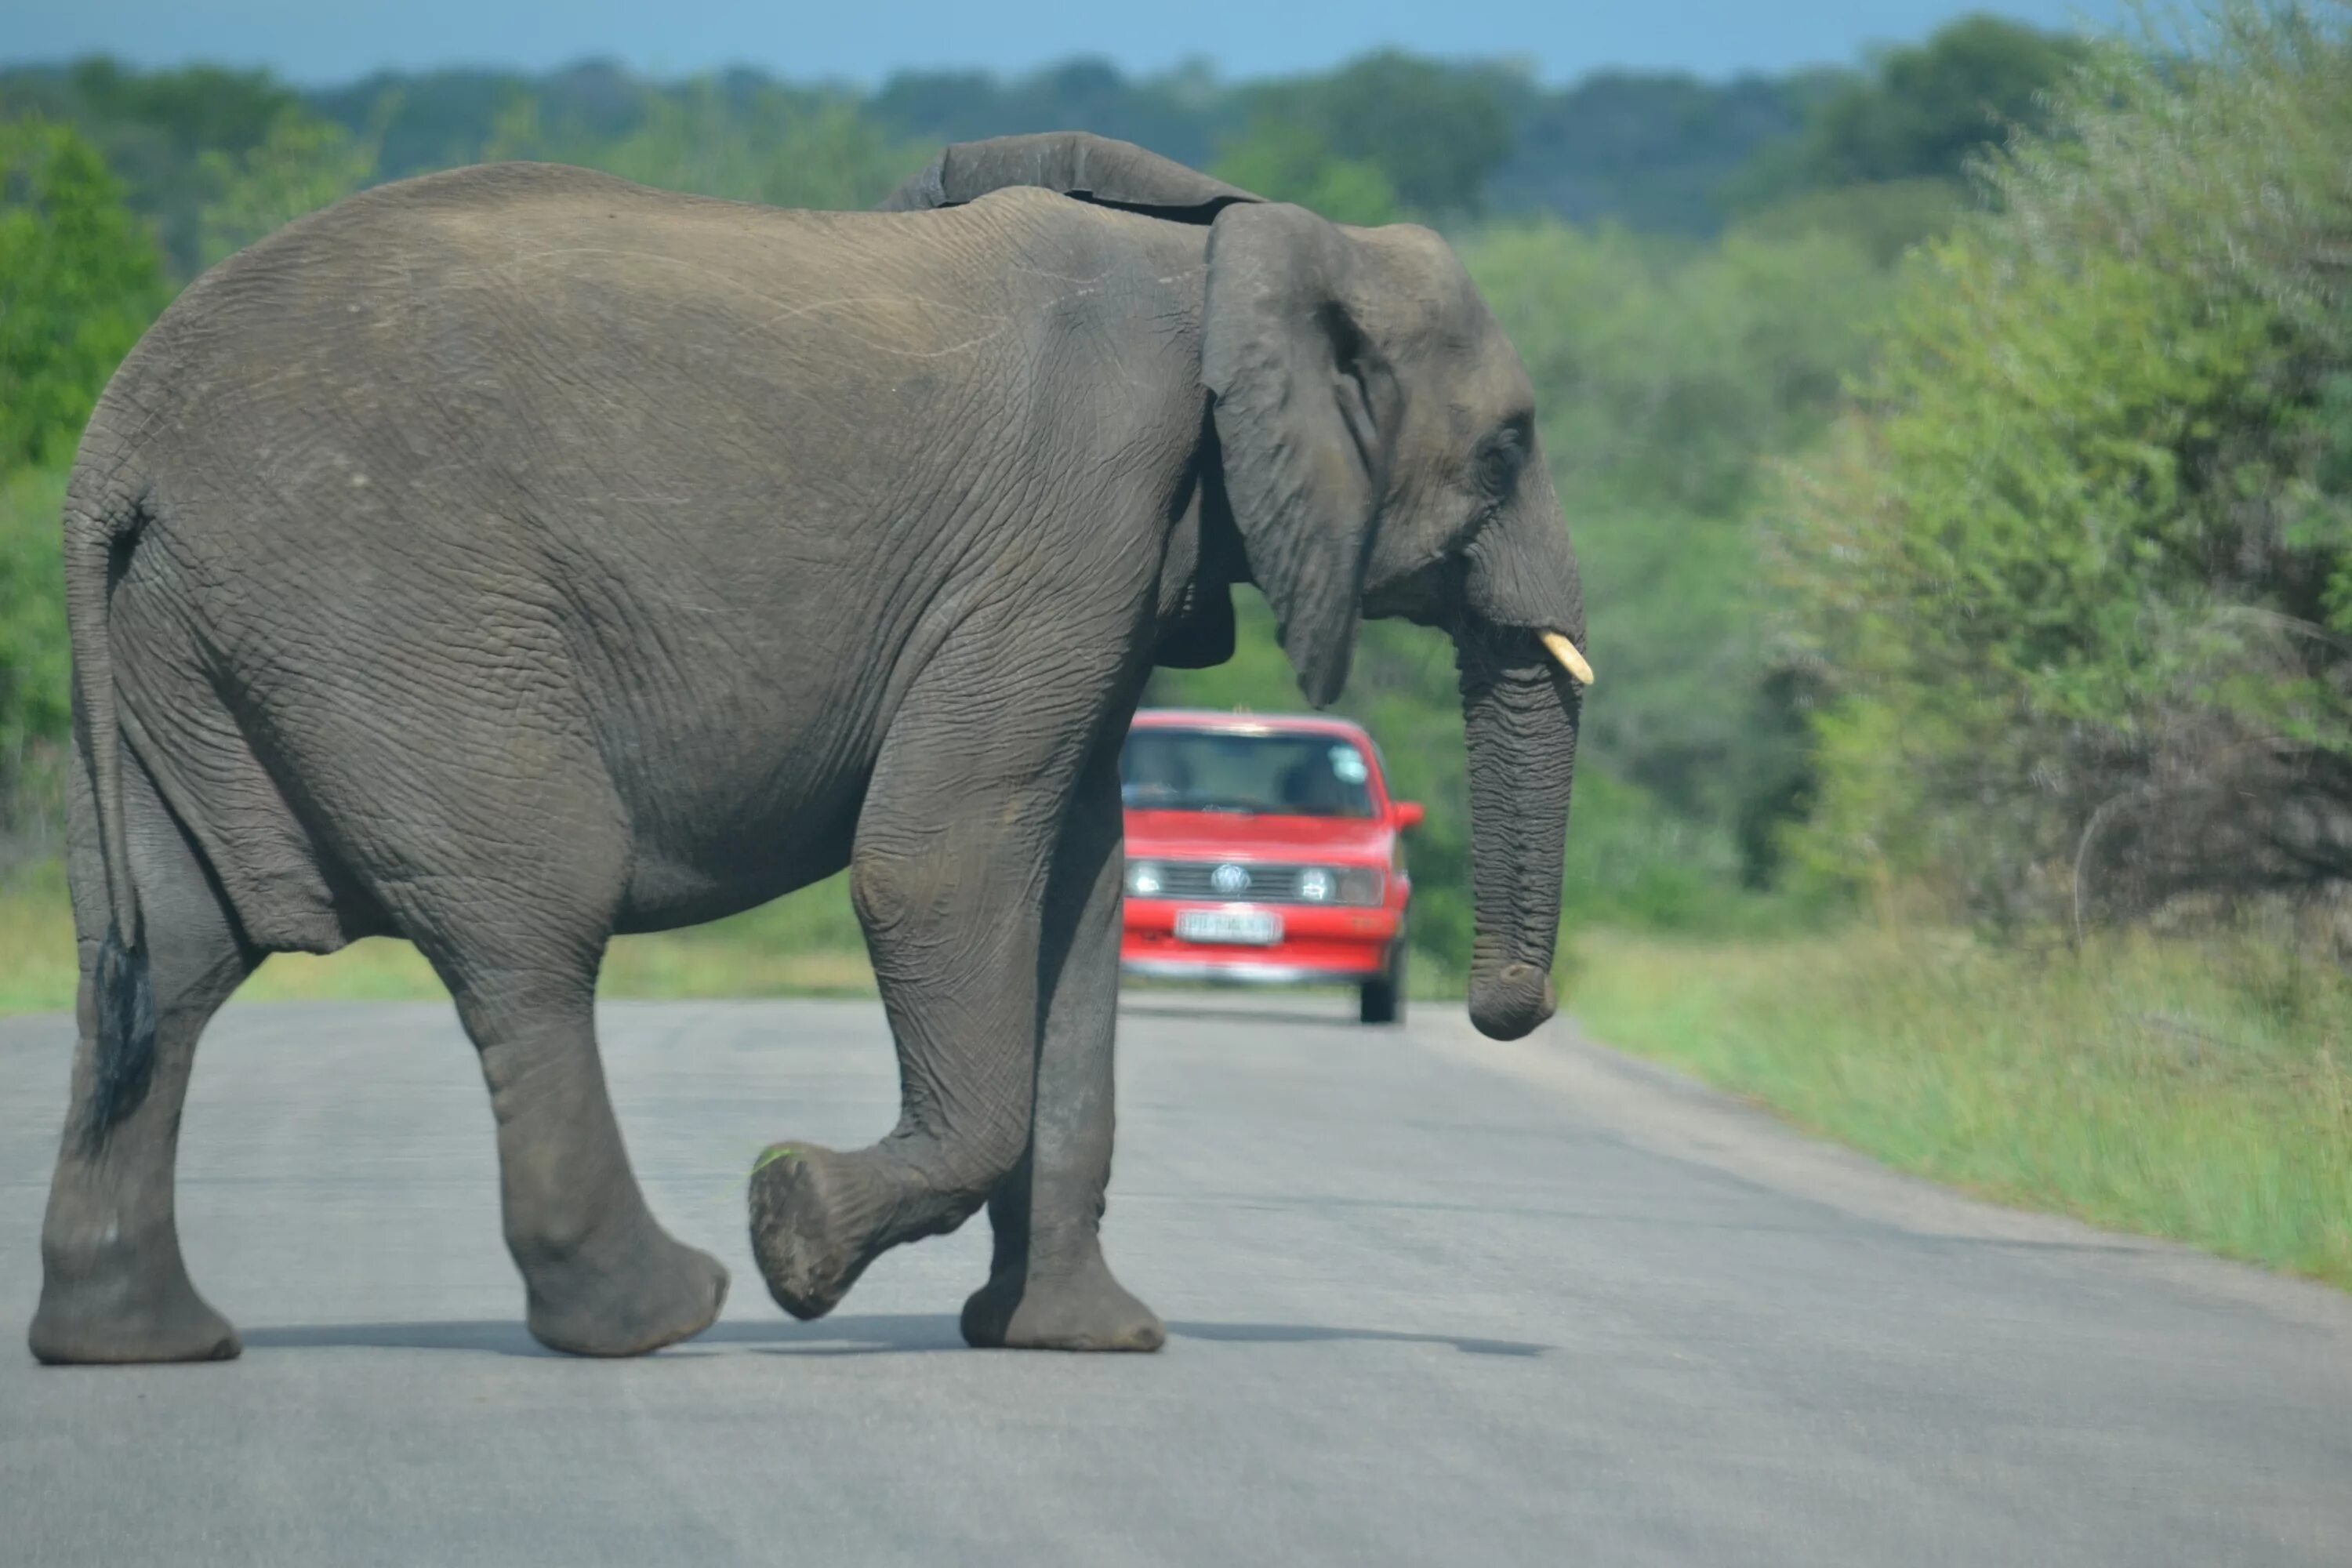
{"type": "Point", "coordinates": [1236, 722]}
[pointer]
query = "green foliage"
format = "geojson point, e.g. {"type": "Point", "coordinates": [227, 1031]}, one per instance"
{"type": "Point", "coordinates": [1284, 161]}
{"type": "Point", "coordinates": [78, 282]}
{"type": "Point", "coordinates": [2078, 566]}
{"type": "Point", "coordinates": [1663, 375]}
{"type": "Point", "coordinates": [1652, 151]}
{"type": "Point", "coordinates": [1885, 219]}
{"type": "Point", "coordinates": [1183, 114]}
{"type": "Point", "coordinates": [36, 704]}
{"type": "Point", "coordinates": [154, 128]}
{"type": "Point", "coordinates": [300, 165]}
{"type": "Point", "coordinates": [441, 119]}
{"type": "Point", "coordinates": [1925, 112]}
{"type": "Point", "coordinates": [1435, 132]}
{"type": "Point", "coordinates": [764, 144]}
{"type": "Point", "coordinates": [195, 106]}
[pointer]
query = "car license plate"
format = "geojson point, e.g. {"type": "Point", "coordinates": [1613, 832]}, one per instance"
{"type": "Point", "coordinates": [1240, 928]}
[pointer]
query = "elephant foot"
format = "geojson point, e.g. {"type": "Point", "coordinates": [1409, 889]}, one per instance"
{"type": "Point", "coordinates": [817, 1223]}
{"type": "Point", "coordinates": [1085, 1309]}
{"type": "Point", "coordinates": [626, 1300]}
{"type": "Point", "coordinates": [120, 1312]}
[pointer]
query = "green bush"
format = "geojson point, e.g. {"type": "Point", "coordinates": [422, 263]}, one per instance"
{"type": "Point", "coordinates": [35, 704]}
{"type": "Point", "coordinates": [79, 280]}
{"type": "Point", "coordinates": [2080, 567]}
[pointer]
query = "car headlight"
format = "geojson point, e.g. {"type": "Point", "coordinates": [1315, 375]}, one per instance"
{"type": "Point", "coordinates": [1144, 880]}
{"type": "Point", "coordinates": [1316, 885]}
{"type": "Point", "coordinates": [1360, 885]}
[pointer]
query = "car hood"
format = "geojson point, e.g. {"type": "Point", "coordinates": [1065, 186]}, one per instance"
{"type": "Point", "coordinates": [1234, 836]}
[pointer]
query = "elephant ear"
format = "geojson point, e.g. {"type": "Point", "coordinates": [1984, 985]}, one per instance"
{"type": "Point", "coordinates": [1305, 409]}
{"type": "Point", "coordinates": [1095, 169]}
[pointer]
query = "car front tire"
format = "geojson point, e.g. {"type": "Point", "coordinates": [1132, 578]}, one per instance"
{"type": "Point", "coordinates": [1381, 1001]}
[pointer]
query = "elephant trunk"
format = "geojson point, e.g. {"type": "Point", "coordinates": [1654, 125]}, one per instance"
{"type": "Point", "coordinates": [1523, 677]}
{"type": "Point", "coordinates": [1519, 716]}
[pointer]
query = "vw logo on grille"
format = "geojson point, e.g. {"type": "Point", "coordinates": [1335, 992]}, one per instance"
{"type": "Point", "coordinates": [1229, 879]}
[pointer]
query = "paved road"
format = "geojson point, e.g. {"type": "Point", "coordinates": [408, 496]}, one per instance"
{"type": "Point", "coordinates": [1433, 1300]}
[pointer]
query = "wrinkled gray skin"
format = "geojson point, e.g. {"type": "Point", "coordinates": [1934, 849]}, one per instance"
{"type": "Point", "coordinates": [509, 558]}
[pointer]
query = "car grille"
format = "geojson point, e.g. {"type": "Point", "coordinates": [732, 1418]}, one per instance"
{"type": "Point", "coordinates": [1268, 884]}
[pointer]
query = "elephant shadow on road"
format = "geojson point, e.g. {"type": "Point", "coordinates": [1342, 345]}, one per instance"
{"type": "Point", "coordinates": [873, 1335]}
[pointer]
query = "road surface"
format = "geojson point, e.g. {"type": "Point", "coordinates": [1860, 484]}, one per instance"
{"type": "Point", "coordinates": [1433, 1300]}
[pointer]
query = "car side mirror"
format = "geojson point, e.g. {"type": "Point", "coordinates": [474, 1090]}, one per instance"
{"type": "Point", "coordinates": [1407, 813]}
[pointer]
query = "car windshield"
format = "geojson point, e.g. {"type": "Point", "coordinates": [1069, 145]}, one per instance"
{"type": "Point", "coordinates": [1207, 770]}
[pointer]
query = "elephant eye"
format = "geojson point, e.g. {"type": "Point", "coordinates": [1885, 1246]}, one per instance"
{"type": "Point", "coordinates": [1500, 457]}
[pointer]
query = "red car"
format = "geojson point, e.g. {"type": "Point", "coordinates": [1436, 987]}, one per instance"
{"type": "Point", "coordinates": [1264, 848]}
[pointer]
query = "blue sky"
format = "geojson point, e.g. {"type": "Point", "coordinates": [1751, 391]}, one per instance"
{"type": "Point", "coordinates": [314, 41]}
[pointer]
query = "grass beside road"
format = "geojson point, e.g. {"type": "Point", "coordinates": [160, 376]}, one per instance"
{"type": "Point", "coordinates": [804, 945]}
{"type": "Point", "coordinates": [2199, 1090]}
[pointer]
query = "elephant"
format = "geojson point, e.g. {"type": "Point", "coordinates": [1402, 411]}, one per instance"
{"type": "Point", "coordinates": [510, 557]}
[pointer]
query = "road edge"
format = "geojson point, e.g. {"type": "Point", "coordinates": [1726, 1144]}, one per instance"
{"type": "Point", "coordinates": [1667, 1113]}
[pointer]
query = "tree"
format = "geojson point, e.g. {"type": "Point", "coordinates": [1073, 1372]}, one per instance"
{"type": "Point", "coordinates": [154, 128]}
{"type": "Point", "coordinates": [79, 280]}
{"type": "Point", "coordinates": [2079, 568]}
{"type": "Point", "coordinates": [1435, 130]}
{"type": "Point", "coordinates": [1181, 114]}
{"type": "Point", "coordinates": [301, 165]}
{"type": "Point", "coordinates": [1925, 111]}
{"type": "Point", "coordinates": [36, 662]}
{"type": "Point", "coordinates": [1290, 163]}
{"type": "Point", "coordinates": [1650, 150]}
{"type": "Point", "coordinates": [747, 141]}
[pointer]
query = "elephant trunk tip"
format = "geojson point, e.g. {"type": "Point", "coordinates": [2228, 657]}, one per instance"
{"type": "Point", "coordinates": [1512, 1002]}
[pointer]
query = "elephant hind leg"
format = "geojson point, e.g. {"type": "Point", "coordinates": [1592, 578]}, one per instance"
{"type": "Point", "coordinates": [114, 1286]}
{"type": "Point", "coordinates": [518, 936]}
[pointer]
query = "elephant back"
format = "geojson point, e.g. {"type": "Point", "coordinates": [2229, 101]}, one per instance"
{"type": "Point", "coordinates": [1097, 168]}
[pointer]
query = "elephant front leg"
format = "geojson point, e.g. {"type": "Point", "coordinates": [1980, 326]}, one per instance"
{"type": "Point", "coordinates": [948, 875]}
{"type": "Point", "coordinates": [1049, 1287]}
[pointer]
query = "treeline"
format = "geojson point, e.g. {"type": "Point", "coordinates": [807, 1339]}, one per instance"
{"type": "Point", "coordinates": [1955, 470]}
{"type": "Point", "coordinates": [1386, 134]}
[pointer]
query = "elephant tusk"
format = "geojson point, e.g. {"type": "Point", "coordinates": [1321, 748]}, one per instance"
{"type": "Point", "coordinates": [1570, 659]}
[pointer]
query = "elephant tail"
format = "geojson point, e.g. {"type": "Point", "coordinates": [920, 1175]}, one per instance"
{"type": "Point", "coordinates": [105, 510]}
{"type": "Point", "coordinates": [103, 515]}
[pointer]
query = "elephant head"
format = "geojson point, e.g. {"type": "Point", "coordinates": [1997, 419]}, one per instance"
{"type": "Point", "coordinates": [1377, 452]}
